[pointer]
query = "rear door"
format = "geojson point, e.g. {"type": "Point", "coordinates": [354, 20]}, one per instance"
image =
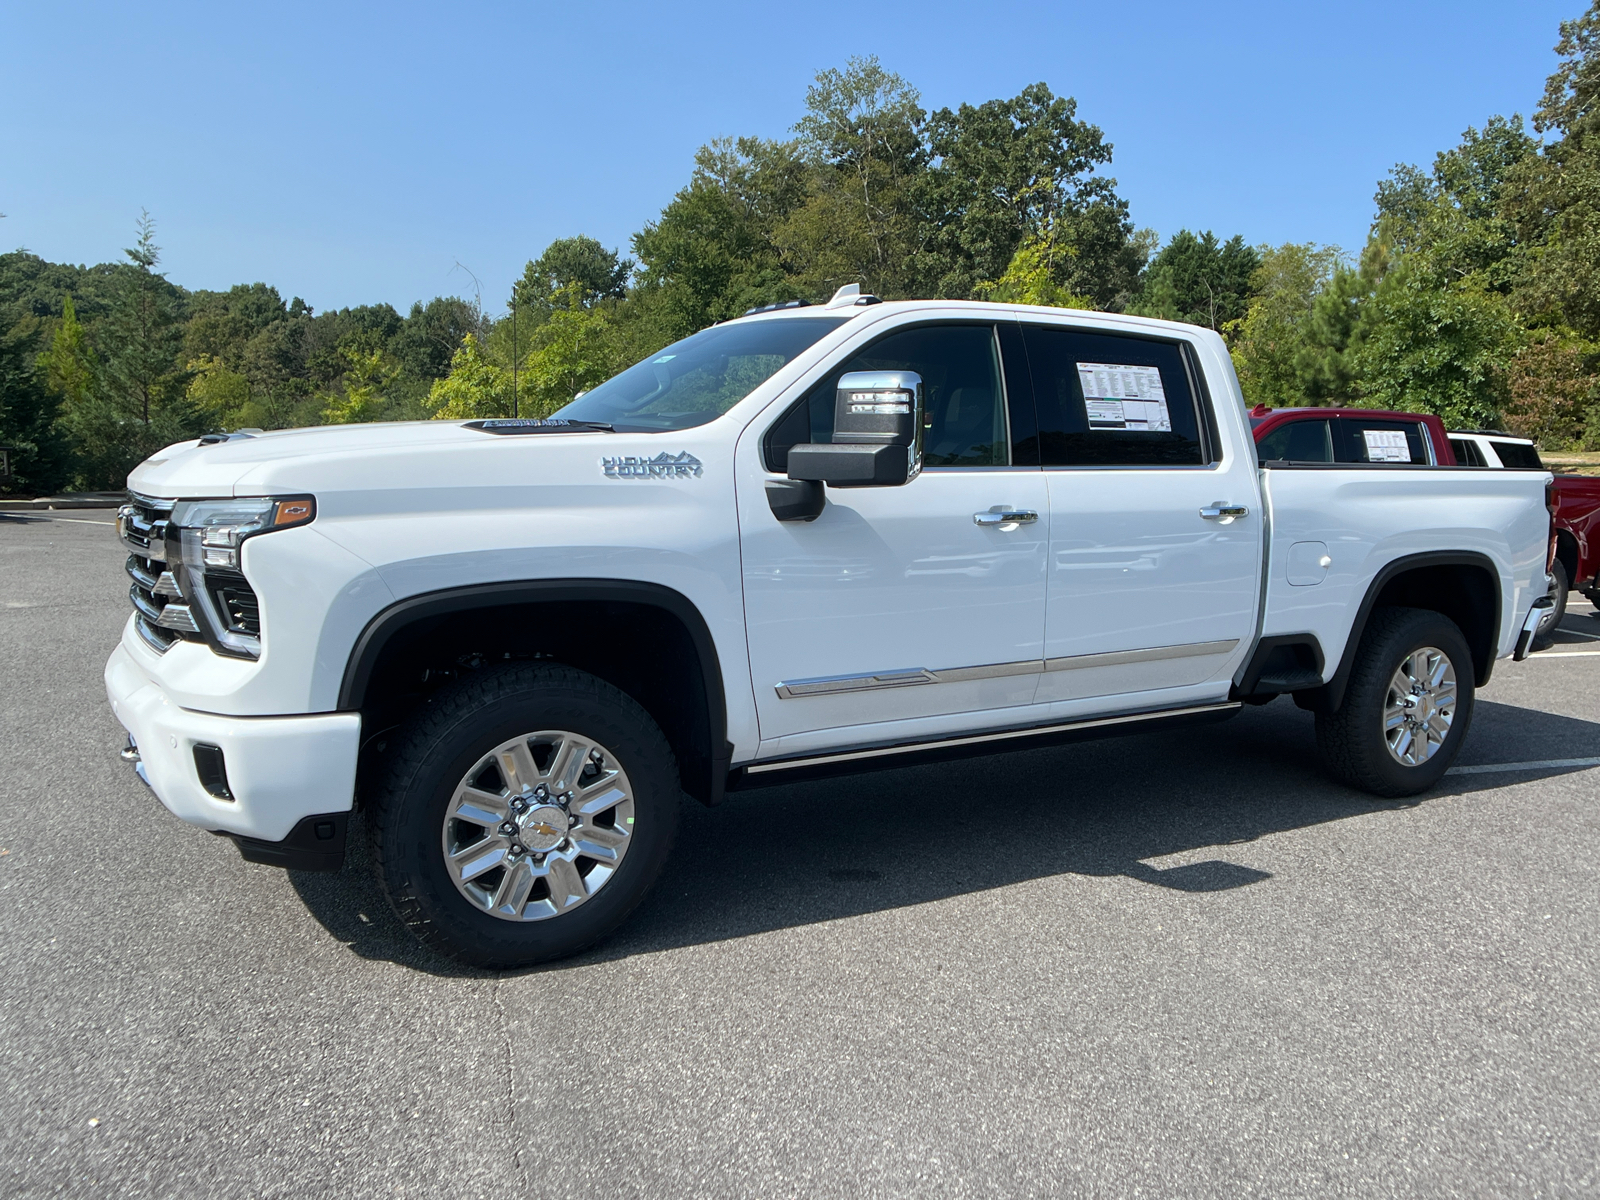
{"type": "Point", "coordinates": [1153, 585]}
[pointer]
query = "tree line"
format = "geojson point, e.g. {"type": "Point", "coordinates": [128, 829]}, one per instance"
{"type": "Point", "coordinates": [1476, 295]}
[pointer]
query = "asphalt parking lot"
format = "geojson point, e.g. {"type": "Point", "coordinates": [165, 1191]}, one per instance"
{"type": "Point", "coordinates": [1178, 965]}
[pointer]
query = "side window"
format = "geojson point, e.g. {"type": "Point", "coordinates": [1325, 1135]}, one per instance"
{"type": "Point", "coordinates": [964, 398]}
{"type": "Point", "coordinates": [1358, 440]}
{"type": "Point", "coordinates": [1519, 456]}
{"type": "Point", "coordinates": [1468, 453]}
{"type": "Point", "coordinates": [1111, 400]}
{"type": "Point", "coordinates": [1297, 441]}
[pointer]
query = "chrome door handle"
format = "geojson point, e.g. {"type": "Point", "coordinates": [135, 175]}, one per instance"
{"type": "Point", "coordinates": [1000, 515]}
{"type": "Point", "coordinates": [1221, 510]}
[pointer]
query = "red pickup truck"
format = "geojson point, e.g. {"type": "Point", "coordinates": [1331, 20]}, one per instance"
{"type": "Point", "coordinates": [1577, 515]}
{"type": "Point", "coordinates": [1375, 435]}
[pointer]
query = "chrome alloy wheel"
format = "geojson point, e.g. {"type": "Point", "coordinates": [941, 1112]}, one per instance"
{"type": "Point", "coordinates": [1420, 706]}
{"type": "Point", "coordinates": [538, 825]}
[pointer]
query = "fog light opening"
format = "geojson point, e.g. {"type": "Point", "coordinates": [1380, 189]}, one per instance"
{"type": "Point", "coordinates": [212, 769]}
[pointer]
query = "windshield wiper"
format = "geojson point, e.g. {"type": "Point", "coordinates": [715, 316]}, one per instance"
{"type": "Point", "coordinates": [539, 425]}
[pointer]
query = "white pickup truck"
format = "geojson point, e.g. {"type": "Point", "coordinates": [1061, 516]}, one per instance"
{"type": "Point", "coordinates": [812, 540]}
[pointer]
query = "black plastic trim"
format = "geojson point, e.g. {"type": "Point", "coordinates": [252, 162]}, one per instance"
{"type": "Point", "coordinates": [212, 768]}
{"type": "Point", "coordinates": [978, 745]}
{"type": "Point", "coordinates": [316, 843]}
{"type": "Point", "coordinates": [370, 645]}
{"type": "Point", "coordinates": [1210, 440]}
{"type": "Point", "coordinates": [1330, 696]}
{"type": "Point", "coordinates": [1249, 679]}
{"type": "Point", "coordinates": [795, 499]}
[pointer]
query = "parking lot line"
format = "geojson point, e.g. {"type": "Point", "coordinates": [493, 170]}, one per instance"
{"type": "Point", "coordinates": [1543, 764]}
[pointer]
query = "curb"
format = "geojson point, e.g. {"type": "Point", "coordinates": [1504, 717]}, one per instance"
{"type": "Point", "coordinates": [47, 503]}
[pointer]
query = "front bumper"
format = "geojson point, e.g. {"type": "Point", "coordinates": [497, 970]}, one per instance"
{"type": "Point", "coordinates": [279, 770]}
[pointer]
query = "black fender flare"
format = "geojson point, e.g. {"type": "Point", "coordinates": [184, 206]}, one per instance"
{"type": "Point", "coordinates": [1330, 695]}
{"type": "Point", "coordinates": [369, 647]}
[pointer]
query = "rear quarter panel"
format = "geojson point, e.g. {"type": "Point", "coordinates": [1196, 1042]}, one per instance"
{"type": "Point", "coordinates": [1367, 517]}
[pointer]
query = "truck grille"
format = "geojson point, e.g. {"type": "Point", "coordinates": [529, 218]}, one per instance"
{"type": "Point", "coordinates": [163, 617]}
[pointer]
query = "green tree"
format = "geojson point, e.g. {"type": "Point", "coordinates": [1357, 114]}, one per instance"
{"type": "Point", "coordinates": [862, 139]}
{"type": "Point", "coordinates": [1557, 204]}
{"type": "Point", "coordinates": [1199, 280]}
{"type": "Point", "coordinates": [574, 350]}
{"type": "Point", "coordinates": [1444, 350]}
{"type": "Point", "coordinates": [367, 379]}
{"type": "Point", "coordinates": [1268, 342]}
{"type": "Point", "coordinates": [220, 396]}
{"type": "Point", "coordinates": [143, 335]}
{"type": "Point", "coordinates": [1009, 172]}
{"type": "Point", "coordinates": [576, 262]}
{"type": "Point", "coordinates": [474, 389]}
{"type": "Point", "coordinates": [28, 409]}
{"type": "Point", "coordinates": [70, 367]}
{"type": "Point", "coordinates": [711, 254]}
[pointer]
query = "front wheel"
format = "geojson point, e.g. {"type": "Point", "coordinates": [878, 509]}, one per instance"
{"type": "Point", "coordinates": [1407, 708]}
{"type": "Point", "coordinates": [526, 811]}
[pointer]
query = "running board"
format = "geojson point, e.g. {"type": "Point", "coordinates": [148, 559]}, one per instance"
{"type": "Point", "coordinates": [981, 742]}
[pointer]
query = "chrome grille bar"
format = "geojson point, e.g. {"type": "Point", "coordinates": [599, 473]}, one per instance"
{"type": "Point", "coordinates": [159, 621]}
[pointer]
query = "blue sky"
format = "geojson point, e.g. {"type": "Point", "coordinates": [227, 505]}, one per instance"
{"type": "Point", "coordinates": [351, 153]}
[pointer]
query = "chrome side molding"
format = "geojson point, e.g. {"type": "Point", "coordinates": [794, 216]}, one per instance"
{"type": "Point", "coordinates": [1117, 658]}
{"type": "Point", "coordinates": [834, 685]}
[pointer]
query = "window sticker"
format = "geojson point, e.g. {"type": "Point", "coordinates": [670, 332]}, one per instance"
{"type": "Point", "coordinates": [1386, 445]}
{"type": "Point", "coordinates": [1118, 396]}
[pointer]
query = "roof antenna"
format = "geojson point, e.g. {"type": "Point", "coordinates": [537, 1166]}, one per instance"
{"type": "Point", "coordinates": [845, 296]}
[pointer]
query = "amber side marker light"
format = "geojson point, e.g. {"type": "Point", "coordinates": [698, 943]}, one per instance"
{"type": "Point", "coordinates": [293, 512]}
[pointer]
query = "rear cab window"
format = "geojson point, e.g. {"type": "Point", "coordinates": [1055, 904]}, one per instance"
{"type": "Point", "coordinates": [1468, 452]}
{"type": "Point", "coordinates": [1519, 456]}
{"type": "Point", "coordinates": [1360, 440]}
{"type": "Point", "coordinates": [1113, 400]}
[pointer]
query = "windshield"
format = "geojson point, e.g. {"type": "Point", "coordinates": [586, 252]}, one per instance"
{"type": "Point", "coordinates": [700, 378]}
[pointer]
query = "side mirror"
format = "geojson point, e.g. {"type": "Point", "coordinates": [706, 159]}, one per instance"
{"type": "Point", "coordinates": [877, 434]}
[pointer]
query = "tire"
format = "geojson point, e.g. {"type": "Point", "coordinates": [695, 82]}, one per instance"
{"type": "Point", "coordinates": [1545, 636]}
{"type": "Point", "coordinates": [447, 806]}
{"type": "Point", "coordinates": [1353, 742]}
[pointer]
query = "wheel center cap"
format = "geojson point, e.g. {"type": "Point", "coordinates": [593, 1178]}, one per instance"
{"type": "Point", "coordinates": [543, 827]}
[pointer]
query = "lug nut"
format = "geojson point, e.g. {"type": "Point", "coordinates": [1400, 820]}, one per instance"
{"type": "Point", "coordinates": [508, 828]}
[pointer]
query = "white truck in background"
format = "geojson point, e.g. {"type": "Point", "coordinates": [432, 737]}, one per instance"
{"type": "Point", "coordinates": [809, 541]}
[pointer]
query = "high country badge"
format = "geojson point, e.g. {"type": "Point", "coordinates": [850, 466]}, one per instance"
{"type": "Point", "coordinates": [662, 466]}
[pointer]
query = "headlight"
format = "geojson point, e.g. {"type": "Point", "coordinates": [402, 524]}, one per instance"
{"type": "Point", "coordinates": [211, 534]}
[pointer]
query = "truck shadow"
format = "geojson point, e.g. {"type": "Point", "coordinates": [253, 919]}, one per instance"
{"type": "Point", "coordinates": [796, 855]}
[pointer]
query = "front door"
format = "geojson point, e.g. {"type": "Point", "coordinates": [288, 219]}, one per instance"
{"type": "Point", "coordinates": [1153, 581]}
{"type": "Point", "coordinates": [895, 607]}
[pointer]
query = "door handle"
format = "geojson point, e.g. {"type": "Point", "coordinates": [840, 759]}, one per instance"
{"type": "Point", "coordinates": [1221, 510]}
{"type": "Point", "coordinates": [1001, 516]}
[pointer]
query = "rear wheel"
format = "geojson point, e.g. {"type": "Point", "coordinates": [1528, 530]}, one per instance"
{"type": "Point", "coordinates": [1407, 708]}
{"type": "Point", "coordinates": [1544, 637]}
{"type": "Point", "coordinates": [527, 810]}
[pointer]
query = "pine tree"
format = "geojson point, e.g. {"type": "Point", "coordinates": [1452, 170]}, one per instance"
{"type": "Point", "coordinates": [143, 335]}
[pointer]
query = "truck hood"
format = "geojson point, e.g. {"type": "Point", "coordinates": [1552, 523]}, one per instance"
{"type": "Point", "coordinates": [308, 460]}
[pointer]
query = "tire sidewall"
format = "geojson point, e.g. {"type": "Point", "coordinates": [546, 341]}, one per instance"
{"type": "Point", "coordinates": [414, 818]}
{"type": "Point", "coordinates": [1384, 649]}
